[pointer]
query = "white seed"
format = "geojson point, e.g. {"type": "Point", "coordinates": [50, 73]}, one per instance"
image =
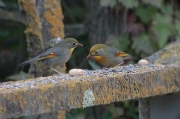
{"type": "Point", "coordinates": [143, 62]}
{"type": "Point", "coordinates": [76, 72]}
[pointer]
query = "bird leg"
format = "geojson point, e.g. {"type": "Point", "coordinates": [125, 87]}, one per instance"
{"type": "Point", "coordinates": [56, 70]}
{"type": "Point", "coordinates": [121, 63]}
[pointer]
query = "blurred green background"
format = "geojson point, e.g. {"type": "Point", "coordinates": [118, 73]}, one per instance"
{"type": "Point", "coordinates": [138, 27]}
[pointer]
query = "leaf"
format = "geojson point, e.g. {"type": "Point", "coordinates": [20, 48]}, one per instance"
{"type": "Point", "coordinates": [122, 42]}
{"type": "Point", "coordinates": [142, 44]}
{"type": "Point", "coordinates": [129, 3]}
{"type": "Point", "coordinates": [162, 19]}
{"type": "Point", "coordinates": [163, 27]}
{"type": "Point", "coordinates": [163, 32]}
{"type": "Point", "coordinates": [146, 13]}
{"type": "Point", "coordinates": [156, 3]}
{"type": "Point", "coordinates": [108, 3]}
{"type": "Point", "coordinates": [93, 65]}
{"type": "Point", "coordinates": [167, 9]}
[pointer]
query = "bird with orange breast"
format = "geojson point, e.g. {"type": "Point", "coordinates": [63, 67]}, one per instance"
{"type": "Point", "coordinates": [108, 56]}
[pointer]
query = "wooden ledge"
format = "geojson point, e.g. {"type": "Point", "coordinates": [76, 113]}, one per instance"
{"type": "Point", "coordinates": [47, 94]}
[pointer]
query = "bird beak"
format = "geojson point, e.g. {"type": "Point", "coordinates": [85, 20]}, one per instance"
{"type": "Point", "coordinates": [80, 44]}
{"type": "Point", "coordinates": [89, 56]}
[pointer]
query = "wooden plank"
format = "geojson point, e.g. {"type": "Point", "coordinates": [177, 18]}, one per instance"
{"type": "Point", "coordinates": [47, 94]}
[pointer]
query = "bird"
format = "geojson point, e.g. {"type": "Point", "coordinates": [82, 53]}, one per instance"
{"type": "Point", "coordinates": [108, 56]}
{"type": "Point", "coordinates": [57, 55]}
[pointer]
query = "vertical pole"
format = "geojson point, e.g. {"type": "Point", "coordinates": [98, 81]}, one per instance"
{"type": "Point", "coordinates": [144, 109]}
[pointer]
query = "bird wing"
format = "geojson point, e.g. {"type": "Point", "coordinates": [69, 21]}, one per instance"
{"type": "Point", "coordinates": [50, 53]}
{"type": "Point", "coordinates": [117, 53]}
{"type": "Point", "coordinates": [121, 54]}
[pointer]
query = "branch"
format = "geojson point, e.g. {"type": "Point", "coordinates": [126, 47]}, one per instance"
{"type": "Point", "coordinates": [13, 16]}
{"type": "Point", "coordinates": [75, 30]}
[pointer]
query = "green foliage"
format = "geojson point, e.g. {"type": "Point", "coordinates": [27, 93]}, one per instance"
{"type": "Point", "coordinates": [122, 42]}
{"type": "Point", "coordinates": [125, 110]}
{"type": "Point", "coordinates": [129, 3]}
{"type": "Point", "coordinates": [108, 3]}
{"type": "Point", "coordinates": [76, 114]}
{"type": "Point", "coordinates": [125, 3]}
{"type": "Point", "coordinates": [163, 28]}
{"type": "Point", "coordinates": [156, 3]}
{"type": "Point", "coordinates": [142, 44]}
{"type": "Point", "coordinates": [167, 10]}
{"type": "Point", "coordinates": [116, 111]}
{"type": "Point", "coordinates": [130, 109]}
{"type": "Point", "coordinates": [146, 14]}
{"type": "Point", "coordinates": [159, 19]}
{"type": "Point", "coordinates": [107, 115]}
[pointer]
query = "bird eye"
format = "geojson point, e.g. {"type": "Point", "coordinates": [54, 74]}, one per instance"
{"type": "Point", "coordinates": [74, 43]}
{"type": "Point", "coordinates": [96, 52]}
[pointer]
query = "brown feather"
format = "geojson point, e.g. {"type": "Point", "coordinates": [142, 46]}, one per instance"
{"type": "Point", "coordinates": [51, 55]}
{"type": "Point", "coordinates": [121, 54]}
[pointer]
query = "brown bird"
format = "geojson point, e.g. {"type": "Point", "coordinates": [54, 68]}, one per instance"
{"type": "Point", "coordinates": [108, 56]}
{"type": "Point", "coordinates": [58, 55]}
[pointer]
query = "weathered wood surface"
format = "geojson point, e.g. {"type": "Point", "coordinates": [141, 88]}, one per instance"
{"type": "Point", "coordinates": [168, 55]}
{"type": "Point", "coordinates": [47, 94]}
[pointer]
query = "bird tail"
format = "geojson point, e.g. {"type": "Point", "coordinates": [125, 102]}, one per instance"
{"type": "Point", "coordinates": [24, 63]}
{"type": "Point", "coordinates": [130, 58]}
{"type": "Point", "coordinates": [28, 61]}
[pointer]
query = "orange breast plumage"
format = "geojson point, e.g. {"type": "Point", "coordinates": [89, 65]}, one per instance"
{"type": "Point", "coordinates": [99, 59]}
